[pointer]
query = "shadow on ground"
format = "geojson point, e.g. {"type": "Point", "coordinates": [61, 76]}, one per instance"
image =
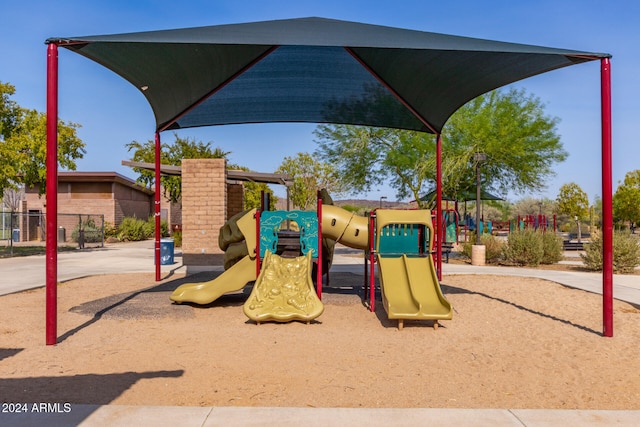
{"type": "Point", "coordinates": [446, 289]}
{"type": "Point", "coordinates": [57, 395]}
{"type": "Point", "coordinates": [9, 352]}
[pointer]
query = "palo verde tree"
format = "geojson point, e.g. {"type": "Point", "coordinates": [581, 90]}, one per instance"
{"type": "Point", "coordinates": [309, 175]}
{"type": "Point", "coordinates": [626, 200]}
{"type": "Point", "coordinates": [23, 144]}
{"type": "Point", "coordinates": [520, 142]}
{"type": "Point", "coordinates": [573, 202]}
{"type": "Point", "coordinates": [171, 154]}
{"type": "Point", "coordinates": [253, 191]}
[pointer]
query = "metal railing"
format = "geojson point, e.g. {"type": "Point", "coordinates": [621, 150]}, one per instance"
{"type": "Point", "coordinates": [29, 229]}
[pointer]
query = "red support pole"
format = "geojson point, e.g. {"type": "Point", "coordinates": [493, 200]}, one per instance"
{"type": "Point", "coordinates": [157, 207]}
{"type": "Point", "coordinates": [372, 261]}
{"type": "Point", "coordinates": [258, 262]}
{"type": "Point", "coordinates": [319, 270]}
{"type": "Point", "coordinates": [607, 200]}
{"type": "Point", "coordinates": [439, 230]}
{"type": "Point", "coordinates": [52, 196]}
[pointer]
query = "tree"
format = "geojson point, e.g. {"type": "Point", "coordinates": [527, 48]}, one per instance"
{"type": "Point", "coordinates": [23, 144]}
{"type": "Point", "coordinates": [309, 175]}
{"type": "Point", "coordinates": [171, 154]}
{"type": "Point", "coordinates": [520, 142]}
{"type": "Point", "coordinates": [574, 202]}
{"type": "Point", "coordinates": [12, 198]}
{"type": "Point", "coordinates": [253, 191]}
{"type": "Point", "coordinates": [9, 110]}
{"type": "Point", "coordinates": [626, 200]}
{"type": "Point", "coordinates": [532, 206]}
{"type": "Point", "coordinates": [366, 157]}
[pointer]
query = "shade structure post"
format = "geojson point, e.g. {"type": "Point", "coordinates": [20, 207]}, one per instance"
{"type": "Point", "coordinates": [319, 269]}
{"type": "Point", "coordinates": [157, 206]}
{"type": "Point", "coordinates": [52, 196]}
{"type": "Point", "coordinates": [607, 199]}
{"type": "Point", "coordinates": [439, 231]}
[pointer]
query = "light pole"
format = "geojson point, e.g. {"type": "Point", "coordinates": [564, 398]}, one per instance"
{"type": "Point", "coordinates": [478, 158]}
{"type": "Point", "coordinates": [382, 198]}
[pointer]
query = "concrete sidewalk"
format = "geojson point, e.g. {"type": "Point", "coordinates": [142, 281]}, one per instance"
{"type": "Point", "coordinates": [21, 273]}
{"type": "Point", "coordinates": [625, 287]}
{"type": "Point", "coordinates": [188, 416]}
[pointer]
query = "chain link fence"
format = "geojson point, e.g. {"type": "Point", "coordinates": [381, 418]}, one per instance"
{"type": "Point", "coordinates": [29, 229]}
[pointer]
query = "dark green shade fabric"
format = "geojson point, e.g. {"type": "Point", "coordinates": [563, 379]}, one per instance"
{"type": "Point", "coordinates": [313, 70]}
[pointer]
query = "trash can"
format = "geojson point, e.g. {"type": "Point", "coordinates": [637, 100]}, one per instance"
{"type": "Point", "coordinates": [62, 235]}
{"type": "Point", "coordinates": [166, 251]}
{"type": "Point", "coordinates": [16, 235]}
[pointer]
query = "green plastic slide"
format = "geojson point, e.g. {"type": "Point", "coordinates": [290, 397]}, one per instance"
{"type": "Point", "coordinates": [410, 290]}
{"type": "Point", "coordinates": [233, 279]}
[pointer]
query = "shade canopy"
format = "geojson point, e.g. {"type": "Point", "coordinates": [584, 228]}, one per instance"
{"type": "Point", "coordinates": [313, 70]}
{"type": "Point", "coordinates": [461, 197]}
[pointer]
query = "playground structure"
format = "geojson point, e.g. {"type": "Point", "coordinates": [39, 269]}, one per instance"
{"type": "Point", "coordinates": [458, 228]}
{"type": "Point", "coordinates": [535, 222]}
{"type": "Point", "coordinates": [283, 289]}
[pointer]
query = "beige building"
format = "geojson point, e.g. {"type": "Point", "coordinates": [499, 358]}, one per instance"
{"type": "Point", "coordinates": [92, 193]}
{"type": "Point", "coordinates": [210, 195]}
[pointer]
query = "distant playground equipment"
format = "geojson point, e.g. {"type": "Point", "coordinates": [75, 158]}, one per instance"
{"type": "Point", "coordinates": [460, 231]}
{"type": "Point", "coordinates": [260, 249]}
{"type": "Point", "coordinates": [535, 222]}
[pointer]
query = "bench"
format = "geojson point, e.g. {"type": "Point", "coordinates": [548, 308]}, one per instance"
{"type": "Point", "coordinates": [572, 246]}
{"type": "Point", "coordinates": [446, 250]}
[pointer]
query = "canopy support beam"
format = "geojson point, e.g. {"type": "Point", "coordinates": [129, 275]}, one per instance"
{"type": "Point", "coordinates": [607, 199]}
{"type": "Point", "coordinates": [51, 267]}
{"type": "Point", "coordinates": [439, 222]}
{"type": "Point", "coordinates": [168, 124]}
{"type": "Point", "coordinates": [393, 91]}
{"type": "Point", "coordinates": [157, 207]}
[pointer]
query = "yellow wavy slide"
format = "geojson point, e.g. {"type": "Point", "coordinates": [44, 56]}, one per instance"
{"type": "Point", "coordinates": [284, 291]}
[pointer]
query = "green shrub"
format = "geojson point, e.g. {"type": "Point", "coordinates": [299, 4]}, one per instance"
{"type": "Point", "coordinates": [150, 229]}
{"type": "Point", "coordinates": [110, 230]}
{"type": "Point", "coordinates": [552, 248]}
{"type": "Point", "coordinates": [466, 246]}
{"type": "Point", "coordinates": [592, 256]}
{"type": "Point", "coordinates": [132, 229]}
{"type": "Point", "coordinates": [626, 253]}
{"type": "Point", "coordinates": [494, 248]}
{"type": "Point", "coordinates": [92, 234]}
{"type": "Point", "coordinates": [177, 239]}
{"type": "Point", "coordinates": [524, 247]}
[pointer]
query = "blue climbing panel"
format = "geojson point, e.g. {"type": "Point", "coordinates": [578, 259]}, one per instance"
{"type": "Point", "coordinates": [271, 221]}
{"type": "Point", "coordinates": [400, 239]}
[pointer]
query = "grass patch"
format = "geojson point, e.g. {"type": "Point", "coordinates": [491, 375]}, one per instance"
{"type": "Point", "coordinates": [5, 251]}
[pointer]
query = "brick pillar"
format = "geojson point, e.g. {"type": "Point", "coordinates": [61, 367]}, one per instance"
{"type": "Point", "coordinates": [235, 199]}
{"type": "Point", "coordinates": [204, 210]}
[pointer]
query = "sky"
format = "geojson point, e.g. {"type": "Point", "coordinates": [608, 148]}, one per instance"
{"type": "Point", "coordinates": [113, 113]}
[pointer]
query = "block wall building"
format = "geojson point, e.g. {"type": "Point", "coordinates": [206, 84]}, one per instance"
{"type": "Point", "coordinates": [92, 193]}
{"type": "Point", "coordinates": [204, 208]}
